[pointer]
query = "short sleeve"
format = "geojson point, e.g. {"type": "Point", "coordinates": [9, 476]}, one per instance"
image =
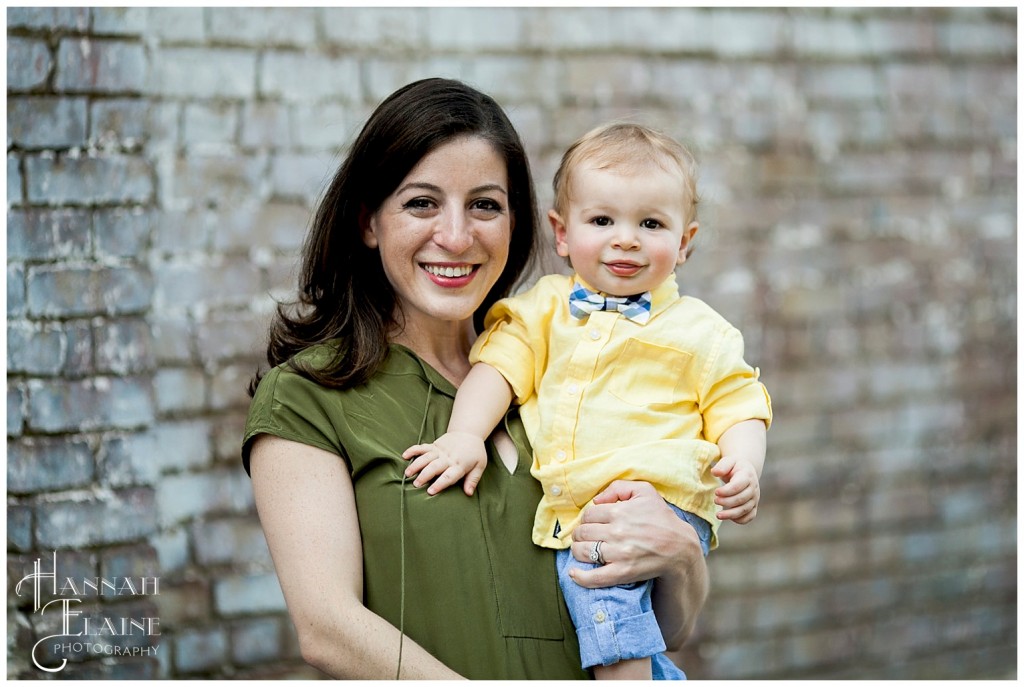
{"type": "Point", "coordinates": [508, 344]}
{"type": "Point", "coordinates": [289, 406]}
{"type": "Point", "coordinates": [731, 391]}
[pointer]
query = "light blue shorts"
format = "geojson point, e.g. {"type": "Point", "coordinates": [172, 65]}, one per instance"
{"type": "Point", "coordinates": [617, 623]}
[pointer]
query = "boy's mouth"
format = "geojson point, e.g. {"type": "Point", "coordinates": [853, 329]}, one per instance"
{"type": "Point", "coordinates": [623, 269]}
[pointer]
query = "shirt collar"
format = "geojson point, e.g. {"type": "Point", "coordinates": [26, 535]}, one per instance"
{"type": "Point", "coordinates": [403, 361]}
{"type": "Point", "coordinates": [662, 296]}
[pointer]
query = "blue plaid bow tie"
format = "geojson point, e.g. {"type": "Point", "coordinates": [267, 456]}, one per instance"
{"type": "Point", "coordinates": [583, 301]}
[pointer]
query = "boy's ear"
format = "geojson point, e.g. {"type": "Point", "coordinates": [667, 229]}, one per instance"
{"type": "Point", "coordinates": [684, 245]}
{"type": "Point", "coordinates": [558, 225]}
{"type": "Point", "coordinates": [366, 228]}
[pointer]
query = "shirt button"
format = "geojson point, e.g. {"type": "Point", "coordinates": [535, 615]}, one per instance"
{"type": "Point", "coordinates": [556, 491]}
{"type": "Point", "coordinates": [599, 616]}
{"type": "Point", "coordinates": [594, 334]}
{"type": "Point", "coordinates": [572, 389]}
{"type": "Point", "coordinates": [560, 457]}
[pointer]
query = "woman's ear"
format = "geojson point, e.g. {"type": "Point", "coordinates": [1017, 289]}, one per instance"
{"type": "Point", "coordinates": [558, 225]}
{"type": "Point", "coordinates": [366, 226]}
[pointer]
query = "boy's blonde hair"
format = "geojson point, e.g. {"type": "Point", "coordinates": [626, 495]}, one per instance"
{"type": "Point", "coordinates": [631, 145]}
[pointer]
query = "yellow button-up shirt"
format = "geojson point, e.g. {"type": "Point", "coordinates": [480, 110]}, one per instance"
{"type": "Point", "coordinates": [605, 398]}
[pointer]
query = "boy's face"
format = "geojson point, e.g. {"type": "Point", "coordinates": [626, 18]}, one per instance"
{"type": "Point", "coordinates": [624, 230]}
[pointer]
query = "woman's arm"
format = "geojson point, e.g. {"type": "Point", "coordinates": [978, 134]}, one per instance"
{"type": "Point", "coordinates": [307, 507]}
{"type": "Point", "coordinates": [643, 539]}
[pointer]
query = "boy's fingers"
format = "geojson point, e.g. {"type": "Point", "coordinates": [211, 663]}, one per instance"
{"type": "Point", "coordinates": [736, 497]}
{"type": "Point", "coordinates": [418, 449]}
{"type": "Point", "coordinates": [723, 467]}
{"type": "Point", "coordinates": [730, 489]}
{"type": "Point", "coordinates": [445, 480]}
{"type": "Point", "coordinates": [420, 463]}
{"type": "Point", "coordinates": [740, 514]}
{"type": "Point", "coordinates": [430, 471]}
{"type": "Point", "coordinates": [472, 479]}
{"type": "Point", "coordinates": [749, 495]}
{"type": "Point", "coordinates": [746, 517]}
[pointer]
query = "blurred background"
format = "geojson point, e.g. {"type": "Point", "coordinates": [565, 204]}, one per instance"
{"type": "Point", "coordinates": [859, 175]}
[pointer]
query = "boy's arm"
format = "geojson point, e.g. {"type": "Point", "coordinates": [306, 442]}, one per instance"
{"type": "Point", "coordinates": [481, 402]}
{"type": "Point", "coordinates": [743, 449]}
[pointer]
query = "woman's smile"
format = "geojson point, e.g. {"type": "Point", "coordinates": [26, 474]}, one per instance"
{"type": "Point", "coordinates": [450, 275]}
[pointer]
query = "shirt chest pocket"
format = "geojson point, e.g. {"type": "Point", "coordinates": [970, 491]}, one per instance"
{"type": "Point", "coordinates": [646, 373]}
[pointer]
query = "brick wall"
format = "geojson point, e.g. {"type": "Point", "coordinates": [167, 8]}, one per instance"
{"type": "Point", "coordinates": [859, 224]}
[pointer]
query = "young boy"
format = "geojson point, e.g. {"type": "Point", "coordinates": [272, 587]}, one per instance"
{"type": "Point", "coordinates": [618, 377]}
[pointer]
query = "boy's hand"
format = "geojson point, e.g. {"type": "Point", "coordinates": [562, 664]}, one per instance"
{"type": "Point", "coordinates": [450, 458]}
{"type": "Point", "coordinates": [740, 493]}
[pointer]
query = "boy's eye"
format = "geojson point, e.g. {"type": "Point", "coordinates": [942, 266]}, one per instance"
{"type": "Point", "coordinates": [650, 224]}
{"type": "Point", "coordinates": [602, 221]}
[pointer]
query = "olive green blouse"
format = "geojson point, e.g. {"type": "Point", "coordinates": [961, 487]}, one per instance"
{"type": "Point", "coordinates": [478, 594]}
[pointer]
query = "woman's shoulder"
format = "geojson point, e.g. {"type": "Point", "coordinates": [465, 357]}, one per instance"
{"type": "Point", "coordinates": [289, 379]}
{"type": "Point", "coordinates": [290, 405]}
{"type": "Point", "coordinates": [318, 356]}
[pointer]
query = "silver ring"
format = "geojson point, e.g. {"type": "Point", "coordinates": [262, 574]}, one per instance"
{"type": "Point", "coordinates": [595, 554]}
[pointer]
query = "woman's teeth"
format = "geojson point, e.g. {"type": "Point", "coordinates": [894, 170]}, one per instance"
{"type": "Point", "coordinates": [460, 271]}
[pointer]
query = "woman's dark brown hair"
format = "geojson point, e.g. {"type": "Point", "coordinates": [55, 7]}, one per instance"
{"type": "Point", "coordinates": [343, 291]}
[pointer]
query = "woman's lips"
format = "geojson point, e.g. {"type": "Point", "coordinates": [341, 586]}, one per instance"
{"type": "Point", "coordinates": [449, 275]}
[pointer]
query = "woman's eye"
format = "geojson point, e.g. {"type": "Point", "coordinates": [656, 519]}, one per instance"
{"type": "Point", "coordinates": [418, 204]}
{"type": "Point", "coordinates": [487, 207]}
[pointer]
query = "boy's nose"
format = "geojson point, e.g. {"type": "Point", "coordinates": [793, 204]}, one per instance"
{"type": "Point", "coordinates": [625, 238]}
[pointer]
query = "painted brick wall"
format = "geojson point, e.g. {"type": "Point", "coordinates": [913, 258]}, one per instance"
{"type": "Point", "coordinates": [859, 224]}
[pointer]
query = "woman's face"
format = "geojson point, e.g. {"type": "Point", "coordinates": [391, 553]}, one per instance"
{"type": "Point", "coordinates": [443, 234]}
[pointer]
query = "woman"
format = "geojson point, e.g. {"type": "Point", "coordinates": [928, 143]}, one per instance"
{"type": "Point", "coordinates": [429, 220]}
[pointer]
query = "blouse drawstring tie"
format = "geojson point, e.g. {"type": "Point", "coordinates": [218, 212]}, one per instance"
{"type": "Point", "coordinates": [401, 539]}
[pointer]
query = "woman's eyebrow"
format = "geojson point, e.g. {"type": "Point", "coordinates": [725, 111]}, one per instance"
{"type": "Point", "coordinates": [489, 187]}
{"type": "Point", "coordinates": [437, 189]}
{"type": "Point", "coordinates": [419, 185]}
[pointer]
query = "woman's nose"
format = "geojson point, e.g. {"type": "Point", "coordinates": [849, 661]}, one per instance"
{"type": "Point", "coordinates": [453, 233]}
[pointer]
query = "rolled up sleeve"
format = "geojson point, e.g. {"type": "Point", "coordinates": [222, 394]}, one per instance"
{"type": "Point", "coordinates": [506, 346]}
{"type": "Point", "coordinates": [731, 390]}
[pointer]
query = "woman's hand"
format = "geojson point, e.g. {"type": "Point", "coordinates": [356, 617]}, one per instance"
{"type": "Point", "coordinates": [642, 538]}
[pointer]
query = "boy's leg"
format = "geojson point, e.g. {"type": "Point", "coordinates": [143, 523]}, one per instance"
{"type": "Point", "coordinates": [629, 669]}
{"type": "Point", "coordinates": [606, 620]}
{"type": "Point", "coordinates": [702, 526]}
{"type": "Point", "coordinates": [613, 624]}
{"type": "Point", "coordinates": [662, 668]}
